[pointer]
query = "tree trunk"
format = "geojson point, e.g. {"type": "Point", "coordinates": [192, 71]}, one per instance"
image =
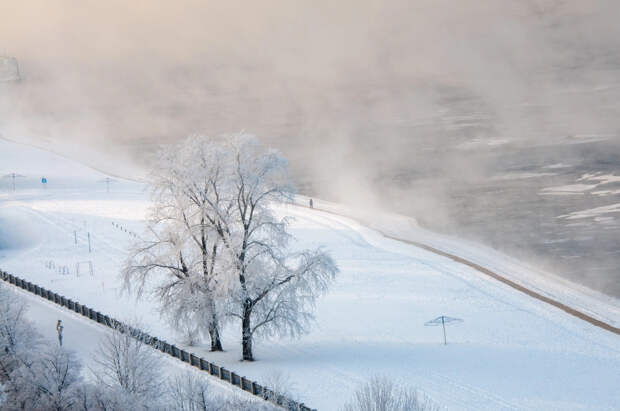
{"type": "Point", "coordinates": [214, 328]}
{"type": "Point", "coordinates": [214, 333]}
{"type": "Point", "coordinates": [216, 344]}
{"type": "Point", "coordinates": [246, 330]}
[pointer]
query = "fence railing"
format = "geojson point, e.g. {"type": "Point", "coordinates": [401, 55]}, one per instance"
{"type": "Point", "coordinates": [159, 344]}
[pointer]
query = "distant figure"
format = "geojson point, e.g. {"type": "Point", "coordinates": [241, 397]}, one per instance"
{"type": "Point", "coordinates": [59, 328]}
{"type": "Point", "coordinates": [44, 182]}
{"type": "Point", "coordinates": [311, 204]}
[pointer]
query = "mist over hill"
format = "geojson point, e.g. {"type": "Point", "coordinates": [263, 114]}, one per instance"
{"type": "Point", "coordinates": [487, 119]}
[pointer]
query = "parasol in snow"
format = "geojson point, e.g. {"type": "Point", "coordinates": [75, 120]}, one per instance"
{"type": "Point", "coordinates": [443, 320]}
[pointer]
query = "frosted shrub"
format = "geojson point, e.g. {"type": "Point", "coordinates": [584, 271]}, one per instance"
{"type": "Point", "coordinates": [190, 394]}
{"type": "Point", "coordinates": [128, 367]}
{"type": "Point", "coordinates": [280, 383]}
{"type": "Point", "coordinates": [382, 394]}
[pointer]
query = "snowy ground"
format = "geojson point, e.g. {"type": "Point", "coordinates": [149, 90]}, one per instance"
{"type": "Point", "coordinates": [511, 351]}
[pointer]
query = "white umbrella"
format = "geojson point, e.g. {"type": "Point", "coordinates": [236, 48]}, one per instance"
{"type": "Point", "coordinates": [443, 320]}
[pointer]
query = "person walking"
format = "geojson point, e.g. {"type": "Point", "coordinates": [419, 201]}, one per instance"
{"type": "Point", "coordinates": [59, 328]}
{"type": "Point", "coordinates": [311, 204]}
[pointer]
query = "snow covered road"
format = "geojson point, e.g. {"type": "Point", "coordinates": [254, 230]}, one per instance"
{"type": "Point", "coordinates": [511, 352]}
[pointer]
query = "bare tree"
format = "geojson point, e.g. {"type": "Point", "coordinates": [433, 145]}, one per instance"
{"type": "Point", "coordinates": [127, 366]}
{"type": "Point", "coordinates": [382, 394]}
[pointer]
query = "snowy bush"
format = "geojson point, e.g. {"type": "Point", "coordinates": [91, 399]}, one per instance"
{"type": "Point", "coordinates": [127, 367]}
{"type": "Point", "coordinates": [190, 394]}
{"type": "Point", "coordinates": [280, 384]}
{"type": "Point", "coordinates": [382, 394]}
{"type": "Point", "coordinates": [190, 333]}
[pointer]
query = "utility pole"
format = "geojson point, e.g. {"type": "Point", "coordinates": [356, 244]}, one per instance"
{"type": "Point", "coordinates": [13, 176]}
{"type": "Point", "coordinates": [107, 182]}
{"type": "Point", "coordinates": [89, 248]}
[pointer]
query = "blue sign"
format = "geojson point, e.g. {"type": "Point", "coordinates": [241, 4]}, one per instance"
{"type": "Point", "coordinates": [44, 180]}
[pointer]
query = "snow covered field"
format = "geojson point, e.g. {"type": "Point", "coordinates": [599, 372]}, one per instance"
{"type": "Point", "coordinates": [511, 351]}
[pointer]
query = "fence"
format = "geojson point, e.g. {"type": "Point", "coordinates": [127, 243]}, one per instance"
{"type": "Point", "coordinates": [159, 344]}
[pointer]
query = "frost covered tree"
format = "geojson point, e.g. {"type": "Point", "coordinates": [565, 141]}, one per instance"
{"type": "Point", "coordinates": [55, 377]}
{"type": "Point", "coordinates": [189, 392]}
{"type": "Point", "coordinates": [271, 288]}
{"type": "Point", "coordinates": [128, 368]}
{"type": "Point", "coordinates": [216, 248]}
{"type": "Point", "coordinates": [34, 377]}
{"type": "Point", "coordinates": [181, 253]}
{"type": "Point", "coordinates": [19, 346]}
{"type": "Point", "coordinates": [383, 394]}
{"type": "Point", "coordinates": [18, 337]}
{"type": "Point", "coordinates": [275, 287]}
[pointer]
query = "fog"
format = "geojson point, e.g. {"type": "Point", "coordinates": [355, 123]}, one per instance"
{"type": "Point", "coordinates": [447, 111]}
